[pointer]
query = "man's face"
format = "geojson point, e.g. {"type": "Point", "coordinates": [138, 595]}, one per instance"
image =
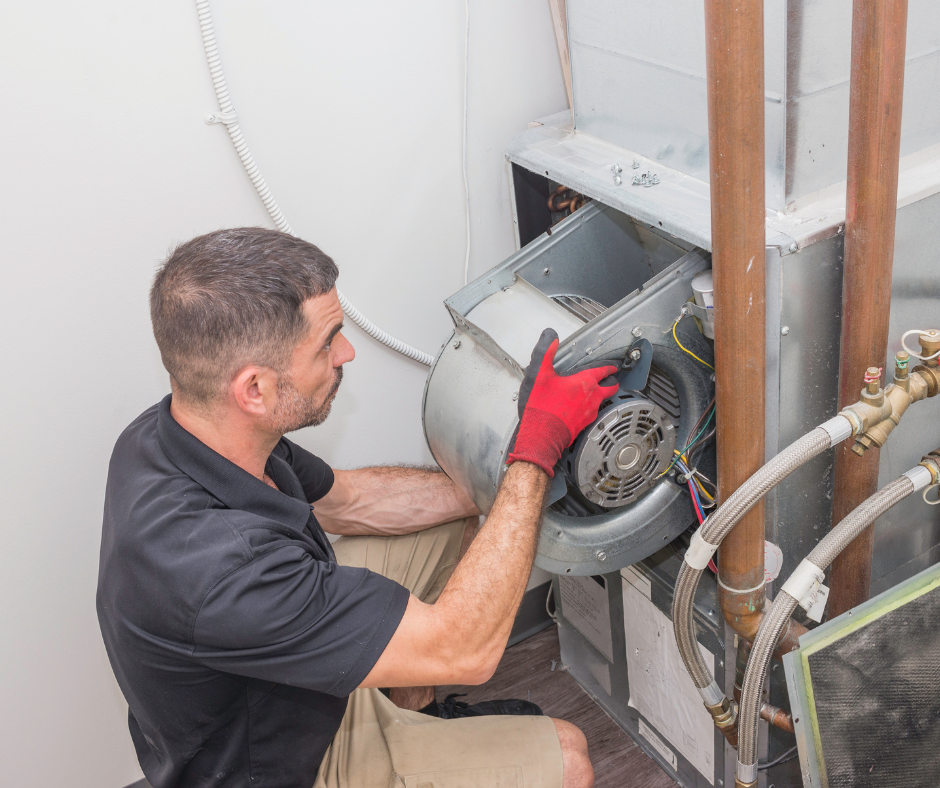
{"type": "Point", "coordinates": [306, 390]}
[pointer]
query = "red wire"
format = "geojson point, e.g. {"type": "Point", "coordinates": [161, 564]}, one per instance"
{"type": "Point", "coordinates": [701, 519]}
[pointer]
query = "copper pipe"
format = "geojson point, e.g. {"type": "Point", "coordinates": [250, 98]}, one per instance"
{"type": "Point", "coordinates": [560, 190]}
{"type": "Point", "coordinates": [735, 72]}
{"type": "Point", "coordinates": [777, 717]}
{"type": "Point", "coordinates": [879, 32]}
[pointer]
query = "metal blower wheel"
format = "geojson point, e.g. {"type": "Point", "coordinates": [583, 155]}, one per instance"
{"type": "Point", "coordinates": [621, 457]}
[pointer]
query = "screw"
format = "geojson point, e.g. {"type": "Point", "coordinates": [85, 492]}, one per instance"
{"type": "Point", "coordinates": [617, 180]}
{"type": "Point", "coordinates": [546, 271]}
{"type": "Point", "coordinates": [601, 555]}
{"type": "Point", "coordinates": [635, 354]}
{"type": "Point", "coordinates": [636, 163]}
{"type": "Point", "coordinates": [785, 330]}
{"type": "Point", "coordinates": [617, 169]}
{"type": "Point", "coordinates": [456, 344]}
{"type": "Point", "coordinates": [682, 479]}
{"type": "Point", "coordinates": [793, 247]}
{"type": "Point", "coordinates": [515, 396]}
{"type": "Point", "coordinates": [637, 331]}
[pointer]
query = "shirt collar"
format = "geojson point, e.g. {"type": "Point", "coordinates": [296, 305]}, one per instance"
{"type": "Point", "coordinates": [232, 485]}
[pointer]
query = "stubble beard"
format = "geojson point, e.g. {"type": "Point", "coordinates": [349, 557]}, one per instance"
{"type": "Point", "coordinates": [294, 411]}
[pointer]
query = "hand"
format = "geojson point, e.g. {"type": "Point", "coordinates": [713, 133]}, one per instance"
{"type": "Point", "coordinates": [553, 408]}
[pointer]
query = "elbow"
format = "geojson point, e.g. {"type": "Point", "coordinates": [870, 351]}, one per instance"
{"type": "Point", "coordinates": [479, 666]}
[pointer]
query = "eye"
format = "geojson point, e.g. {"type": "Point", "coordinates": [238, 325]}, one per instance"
{"type": "Point", "coordinates": [327, 346]}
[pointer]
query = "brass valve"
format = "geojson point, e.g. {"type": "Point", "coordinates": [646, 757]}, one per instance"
{"type": "Point", "coordinates": [878, 410]}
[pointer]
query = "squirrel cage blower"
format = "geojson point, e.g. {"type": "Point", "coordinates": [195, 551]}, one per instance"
{"type": "Point", "coordinates": [615, 291]}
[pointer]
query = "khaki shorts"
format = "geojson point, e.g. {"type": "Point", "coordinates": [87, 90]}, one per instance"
{"type": "Point", "coordinates": [379, 745]}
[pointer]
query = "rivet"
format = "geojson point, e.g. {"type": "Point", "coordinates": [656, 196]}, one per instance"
{"type": "Point", "coordinates": [601, 555]}
{"type": "Point", "coordinates": [637, 331]}
{"type": "Point", "coordinates": [785, 330]}
{"type": "Point", "coordinates": [456, 344]}
{"type": "Point", "coordinates": [794, 247]}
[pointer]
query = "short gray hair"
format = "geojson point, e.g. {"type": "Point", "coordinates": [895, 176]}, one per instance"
{"type": "Point", "coordinates": [231, 298]}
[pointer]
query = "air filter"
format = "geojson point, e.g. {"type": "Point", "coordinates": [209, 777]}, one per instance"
{"type": "Point", "coordinates": [865, 692]}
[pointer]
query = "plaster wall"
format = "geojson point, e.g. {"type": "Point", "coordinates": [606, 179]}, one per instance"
{"type": "Point", "coordinates": [354, 114]}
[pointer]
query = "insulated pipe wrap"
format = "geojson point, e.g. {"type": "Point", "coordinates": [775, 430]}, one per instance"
{"type": "Point", "coordinates": [776, 620]}
{"type": "Point", "coordinates": [719, 525]}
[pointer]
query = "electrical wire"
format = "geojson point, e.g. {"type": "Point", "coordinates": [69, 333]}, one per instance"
{"type": "Point", "coordinates": [682, 347]}
{"type": "Point", "coordinates": [229, 118]}
{"type": "Point", "coordinates": [789, 755]}
{"type": "Point", "coordinates": [680, 454]}
{"type": "Point", "coordinates": [466, 180]}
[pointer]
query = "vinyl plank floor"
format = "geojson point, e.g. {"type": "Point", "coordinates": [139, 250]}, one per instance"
{"type": "Point", "coordinates": [525, 671]}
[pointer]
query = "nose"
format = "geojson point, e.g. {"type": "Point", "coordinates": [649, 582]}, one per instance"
{"type": "Point", "coordinates": [343, 351]}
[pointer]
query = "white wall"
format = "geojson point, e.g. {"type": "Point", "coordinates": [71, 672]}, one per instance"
{"type": "Point", "coordinates": [354, 113]}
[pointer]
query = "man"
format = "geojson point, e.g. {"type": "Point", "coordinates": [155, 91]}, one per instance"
{"type": "Point", "coordinates": [250, 650]}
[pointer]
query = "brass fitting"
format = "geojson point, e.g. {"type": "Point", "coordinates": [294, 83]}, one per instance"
{"type": "Point", "coordinates": [739, 784]}
{"type": "Point", "coordinates": [878, 410]}
{"type": "Point", "coordinates": [932, 463]}
{"type": "Point", "coordinates": [725, 716]}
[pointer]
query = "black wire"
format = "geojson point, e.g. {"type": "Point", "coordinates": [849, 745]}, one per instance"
{"type": "Point", "coordinates": [789, 755]}
{"type": "Point", "coordinates": [701, 419]}
{"type": "Point", "coordinates": [699, 444]}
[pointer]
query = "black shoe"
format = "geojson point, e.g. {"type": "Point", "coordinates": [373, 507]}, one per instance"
{"type": "Point", "coordinates": [452, 708]}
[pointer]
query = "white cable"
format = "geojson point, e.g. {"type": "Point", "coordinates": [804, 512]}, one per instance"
{"type": "Point", "coordinates": [927, 490]}
{"type": "Point", "coordinates": [466, 181]}
{"type": "Point", "coordinates": [229, 118]}
{"type": "Point", "coordinates": [911, 352]}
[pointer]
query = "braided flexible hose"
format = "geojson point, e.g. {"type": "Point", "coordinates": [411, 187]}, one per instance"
{"type": "Point", "coordinates": [254, 173]}
{"type": "Point", "coordinates": [719, 525]}
{"type": "Point", "coordinates": [775, 622]}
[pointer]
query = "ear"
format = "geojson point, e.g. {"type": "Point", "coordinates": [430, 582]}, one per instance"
{"type": "Point", "coordinates": [254, 390]}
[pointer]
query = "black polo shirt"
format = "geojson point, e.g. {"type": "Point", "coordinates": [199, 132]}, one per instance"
{"type": "Point", "coordinates": [233, 633]}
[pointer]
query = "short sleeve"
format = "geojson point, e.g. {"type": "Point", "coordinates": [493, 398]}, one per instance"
{"type": "Point", "coordinates": [316, 477]}
{"type": "Point", "coordinates": [288, 618]}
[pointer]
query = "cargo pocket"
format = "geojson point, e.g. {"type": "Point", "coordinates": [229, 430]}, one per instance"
{"type": "Point", "coordinates": [485, 777]}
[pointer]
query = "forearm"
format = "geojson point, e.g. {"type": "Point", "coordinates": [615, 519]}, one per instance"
{"type": "Point", "coordinates": [480, 601]}
{"type": "Point", "coordinates": [391, 501]}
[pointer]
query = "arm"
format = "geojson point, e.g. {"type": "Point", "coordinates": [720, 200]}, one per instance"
{"type": "Point", "coordinates": [391, 501]}
{"type": "Point", "coordinates": [460, 638]}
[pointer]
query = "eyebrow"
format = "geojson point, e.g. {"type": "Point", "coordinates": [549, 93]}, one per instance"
{"type": "Point", "coordinates": [333, 332]}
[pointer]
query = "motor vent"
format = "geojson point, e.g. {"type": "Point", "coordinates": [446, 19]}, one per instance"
{"type": "Point", "coordinates": [582, 307]}
{"type": "Point", "coordinates": [622, 455]}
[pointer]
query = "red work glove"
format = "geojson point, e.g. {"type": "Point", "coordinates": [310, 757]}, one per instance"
{"type": "Point", "coordinates": [553, 408]}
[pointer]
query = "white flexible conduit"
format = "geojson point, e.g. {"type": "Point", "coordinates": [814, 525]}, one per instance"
{"type": "Point", "coordinates": [228, 117]}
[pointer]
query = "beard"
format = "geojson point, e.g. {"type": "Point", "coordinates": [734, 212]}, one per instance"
{"type": "Point", "coordinates": [294, 411]}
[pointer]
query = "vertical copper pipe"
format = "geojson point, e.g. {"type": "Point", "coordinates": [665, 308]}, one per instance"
{"type": "Point", "coordinates": [735, 66]}
{"type": "Point", "coordinates": [879, 34]}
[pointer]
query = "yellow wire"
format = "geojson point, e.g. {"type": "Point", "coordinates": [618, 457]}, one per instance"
{"type": "Point", "coordinates": [695, 480]}
{"type": "Point", "coordinates": [701, 488]}
{"type": "Point", "coordinates": [686, 349]}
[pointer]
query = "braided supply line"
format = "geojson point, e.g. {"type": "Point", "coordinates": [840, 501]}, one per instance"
{"type": "Point", "coordinates": [783, 606]}
{"type": "Point", "coordinates": [714, 530]}
{"type": "Point", "coordinates": [227, 116]}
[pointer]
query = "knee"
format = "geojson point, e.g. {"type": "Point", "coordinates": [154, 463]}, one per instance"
{"type": "Point", "coordinates": [578, 771]}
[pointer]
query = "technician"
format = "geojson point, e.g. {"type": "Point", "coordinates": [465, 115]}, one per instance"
{"type": "Point", "coordinates": [250, 650]}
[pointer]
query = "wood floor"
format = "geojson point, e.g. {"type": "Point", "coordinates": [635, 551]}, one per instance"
{"type": "Point", "coordinates": [526, 672]}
